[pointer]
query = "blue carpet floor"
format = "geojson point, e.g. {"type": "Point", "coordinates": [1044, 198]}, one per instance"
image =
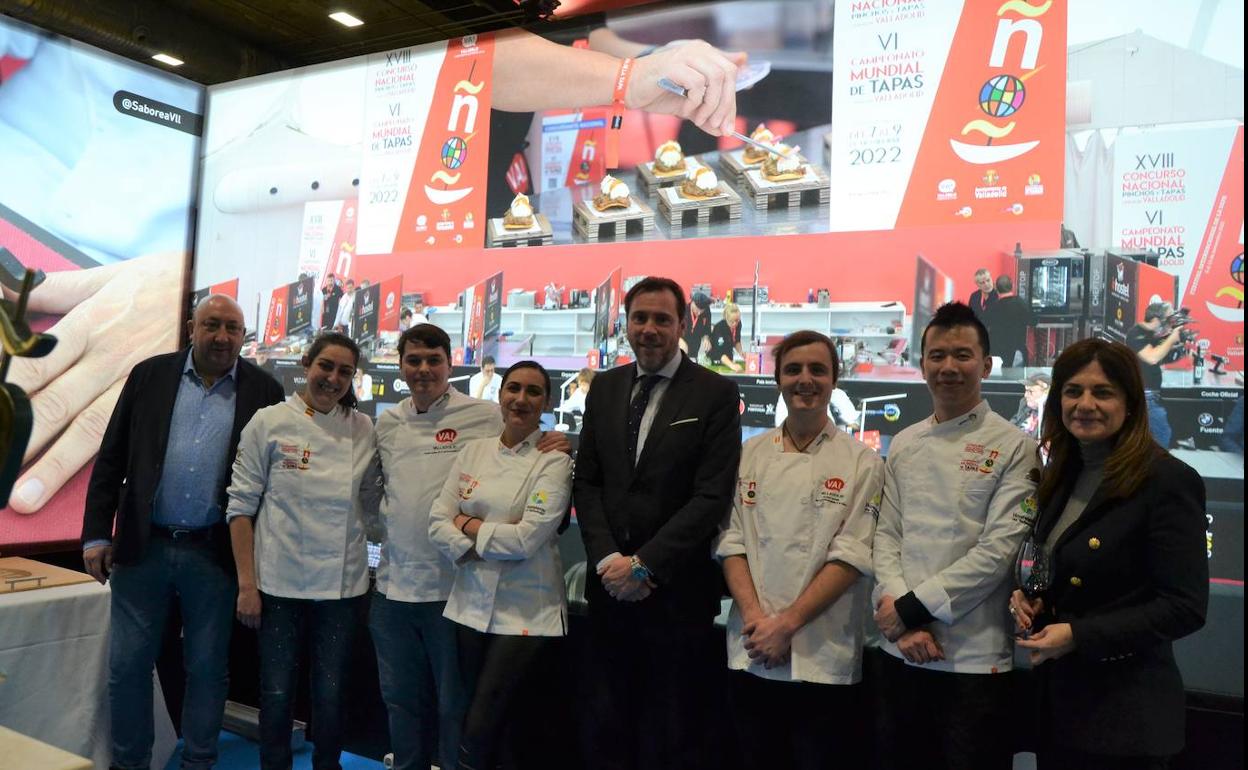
{"type": "Point", "coordinates": [238, 753]}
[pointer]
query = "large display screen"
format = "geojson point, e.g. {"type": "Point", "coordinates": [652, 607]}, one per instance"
{"type": "Point", "coordinates": [488, 184]}
{"type": "Point", "coordinates": [98, 159]}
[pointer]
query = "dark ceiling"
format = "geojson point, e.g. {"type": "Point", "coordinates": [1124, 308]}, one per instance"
{"type": "Point", "coordinates": [223, 40]}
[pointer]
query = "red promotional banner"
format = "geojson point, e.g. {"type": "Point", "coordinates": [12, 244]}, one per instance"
{"type": "Point", "coordinates": [391, 304]}
{"type": "Point", "coordinates": [474, 334]}
{"type": "Point", "coordinates": [342, 249]}
{"type": "Point", "coordinates": [275, 327]}
{"type": "Point", "coordinates": [993, 150]}
{"type": "Point", "coordinates": [588, 161]}
{"type": "Point", "coordinates": [228, 288]}
{"type": "Point", "coordinates": [1215, 288]}
{"type": "Point", "coordinates": [446, 195]}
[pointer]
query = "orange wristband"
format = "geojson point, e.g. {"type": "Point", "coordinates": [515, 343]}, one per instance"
{"type": "Point", "coordinates": [617, 112]}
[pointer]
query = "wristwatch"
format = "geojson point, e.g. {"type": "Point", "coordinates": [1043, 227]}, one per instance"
{"type": "Point", "coordinates": [640, 571]}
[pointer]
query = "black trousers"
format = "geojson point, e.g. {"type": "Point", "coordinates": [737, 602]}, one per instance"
{"type": "Point", "coordinates": [501, 674]}
{"type": "Point", "coordinates": [658, 691]}
{"type": "Point", "coordinates": [798, 725]}
{"type": "Point", "coordinates": [939, 720]}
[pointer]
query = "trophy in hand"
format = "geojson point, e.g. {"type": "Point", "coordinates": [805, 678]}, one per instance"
{"type": "Point", "coordinates": [1032, 572]}
{"type": "Point", "coordinates": [16, 417]}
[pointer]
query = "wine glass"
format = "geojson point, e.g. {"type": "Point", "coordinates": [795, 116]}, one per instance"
{"type": "Point", "coordinates": [1033, 570]}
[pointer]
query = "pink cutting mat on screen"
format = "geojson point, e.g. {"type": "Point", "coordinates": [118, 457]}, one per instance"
{"type": "Point", "coordinates": [60, 520]}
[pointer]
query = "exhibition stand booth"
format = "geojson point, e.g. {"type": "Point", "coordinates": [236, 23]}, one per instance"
{"type": "Point", "coordinates": [923, 144]}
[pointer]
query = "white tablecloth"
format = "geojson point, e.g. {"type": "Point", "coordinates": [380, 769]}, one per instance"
{"type": "Point", "coordinates": [54, 656]}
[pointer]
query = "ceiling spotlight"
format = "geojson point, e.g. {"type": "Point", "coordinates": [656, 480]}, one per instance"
{"type": "Point", "coordinates": [345, 19]}
{"type": "Point", "coordinates": [165, 58]}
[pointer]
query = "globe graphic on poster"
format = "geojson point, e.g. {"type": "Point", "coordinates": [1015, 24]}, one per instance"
{"type": "Point", "coordinates": [454, 151]}
{"type": "Point", "coordinates": [1002, 96]}
{"type": "Point", "coordinates": [1237, 268]}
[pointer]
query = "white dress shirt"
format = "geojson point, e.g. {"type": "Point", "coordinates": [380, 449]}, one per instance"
{"type": "Point", "coordinates": [296, 474]}
{"type": "Point", "coordinates": [795, 512]}
{"type": "Point", "coordinates": [414, 456]}
{"type": "Point", "coordinates": [667, 372]}
{"type": "Point", "coordinates": [516, 586]}
{"type": "Point", "coordinates": [958, 501]}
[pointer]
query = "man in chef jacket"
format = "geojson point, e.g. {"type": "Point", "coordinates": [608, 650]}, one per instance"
{"type": "Point", "coordinates": [417, 443]}
{"type": "Point", "coordinates": [958, 501]}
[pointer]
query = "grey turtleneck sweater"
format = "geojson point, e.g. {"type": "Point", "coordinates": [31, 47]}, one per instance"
{"type": "Point", "coordinates": [1094, 456]}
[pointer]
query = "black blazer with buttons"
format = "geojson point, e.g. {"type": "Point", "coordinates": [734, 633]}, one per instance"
{"type": "Point", "coordinates": [1130, 576]}
{"type": "Point", "coordinates": [668, 508]}
{"type": "Point", "coordinates": [122, 490]}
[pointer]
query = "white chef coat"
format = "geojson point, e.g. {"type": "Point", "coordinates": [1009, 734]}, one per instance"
{"type": "Point", "coordinates": [346, 311]}
{"type": "Point", "coordinates": [516, 587]}
{"type": "Point", "coordinates": [491, 388]}
{"type": "Point", "coordinates": [958, 501]}
{"type": "Point", "coordinates": [414, 456]}
{"type": "Point", "coordinates": [296, 474]}
{"type": "Point", "coordinates": [793, 513]}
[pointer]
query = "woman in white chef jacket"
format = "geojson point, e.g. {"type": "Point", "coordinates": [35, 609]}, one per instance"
{"type": "Point", "coordinates": [299, 548]}
{"type": "Point", "coordinates": [497, 518]}
{"type": "Point", "coordinates": [794, 551]}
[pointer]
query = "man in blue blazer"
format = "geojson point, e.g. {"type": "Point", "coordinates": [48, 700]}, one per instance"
{"type": "Point", "coordinates": [655, 474]}
{"type": "Point", "coordinates": [153, 526]}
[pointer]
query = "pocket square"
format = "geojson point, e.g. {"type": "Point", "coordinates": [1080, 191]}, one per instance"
{"type": "Point", "coordinates": [682, 422]}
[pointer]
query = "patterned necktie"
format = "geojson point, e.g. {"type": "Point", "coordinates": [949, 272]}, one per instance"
{"type": "Point", "coordinates": [637, 409]}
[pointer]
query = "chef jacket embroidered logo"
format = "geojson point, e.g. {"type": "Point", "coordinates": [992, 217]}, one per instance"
{"type": "Point", "coordinates": [873, 506]}
{"type": "Point", "coordinates": [751, 492]}
{"type": "Point", "coordinates": [294, 458]}
{"type": "Point", "coordinates": [991, 461]}
{"type": "Point", "coordinates": [446, 435]}
{"type": "Point", "coordinates": [466, 485]}
{"type": "Point", "coordinates": [537, 502]}
{"type": "Point", "coordinates": [831, 491]}
{"type": "Point", "coordinates": [1027, 510]}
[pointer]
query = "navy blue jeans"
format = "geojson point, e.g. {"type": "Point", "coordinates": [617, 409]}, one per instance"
{"type": "Point", "coordinates": [141, 597]}
{"type": "Point", "coordinates": [1158, 420]}
{"type": "Point", "coordinates": [287, 626]}
{"type": "Point", "coordinates": [420, 681]}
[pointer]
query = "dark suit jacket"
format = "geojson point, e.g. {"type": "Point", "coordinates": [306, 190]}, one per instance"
{"type": "Point", "coordinates": [668, 509]}
{"type": "Point", "coordinates": [128, 468]}
{"type": "Point", "coordinates": [1143, 581]}
{"type": "Point", "coordinates": [1007, 320]}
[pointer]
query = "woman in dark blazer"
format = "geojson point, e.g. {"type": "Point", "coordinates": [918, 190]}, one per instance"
{"type": "Point", "coordinates": [1124, 523]}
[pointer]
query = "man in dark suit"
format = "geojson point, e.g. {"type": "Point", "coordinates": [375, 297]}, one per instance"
{"type": "Point", "coordinates": [654, 477]}
{"type": "Point", "coordinates": [1007, 320]}
{"type": "Point", "coordinates": [153, 526]}
{"type": "Point", "coordinates": [332, 294]}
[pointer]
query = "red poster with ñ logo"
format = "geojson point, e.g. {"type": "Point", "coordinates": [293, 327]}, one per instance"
{"type": "Point", "coordinates": [275, 328]}
{"type": "Point", "coordinates": [587, 164]}
{"type": "Point", "coordinates": [1215, 289]}
{"type": "Point", "coordinates": [996, 133]}
{"type": "Point", "coordinates": [446, 195]}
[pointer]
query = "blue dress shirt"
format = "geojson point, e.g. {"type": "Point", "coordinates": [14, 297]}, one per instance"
{"type": "Point", "coordinates": [195, 458]}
